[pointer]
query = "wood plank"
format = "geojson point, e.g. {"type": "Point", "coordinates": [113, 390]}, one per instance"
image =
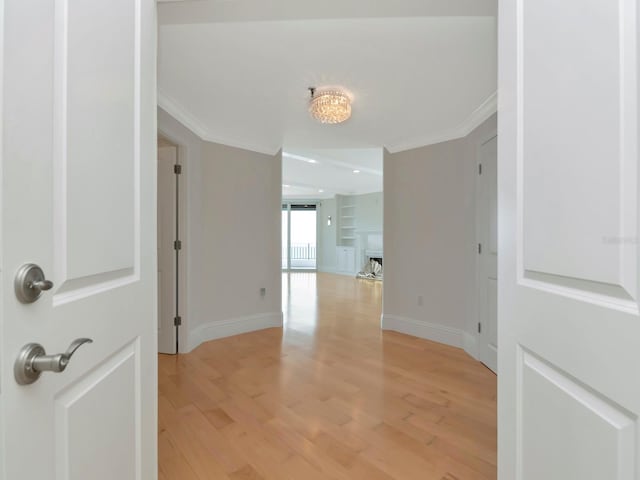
{"type": "Point", "coordinates": [329, 397]}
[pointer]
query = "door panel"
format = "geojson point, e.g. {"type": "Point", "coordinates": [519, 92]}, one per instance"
{"type": "Point", "coordinates": [490, 357]}
{"type": "Point", "coordinates": [96, 98]}
{"type": "Point", "coordinates": [569, 328]}
{"type": "Point", "coordinates": [584, 103]}
{"type": "Point", "coordinates": [79, 457]}
{"type": "Point", "coordinates": [558, 410]}
{"type": "Point", "coordinates": [78, 198]}
{"type": "Point", "coordinates": [167, 234]}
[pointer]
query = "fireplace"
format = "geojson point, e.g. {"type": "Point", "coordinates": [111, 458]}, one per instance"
{"type": "Point", "coordinates": [372, 268]}
{"type": "Point", "coordinates": [377, 259]}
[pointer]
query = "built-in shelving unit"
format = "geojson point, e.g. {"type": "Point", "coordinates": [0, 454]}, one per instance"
{"type": "Point", "coordinates": [346, 219]}
{"type": "Point", "coordinates": [346, 233]}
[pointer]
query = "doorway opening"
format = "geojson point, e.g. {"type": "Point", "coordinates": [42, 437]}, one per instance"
{"type": "Point", "coordinates": [299, 236]}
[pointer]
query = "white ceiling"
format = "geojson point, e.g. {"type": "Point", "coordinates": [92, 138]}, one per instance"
{"type": "Point", "coordinates": [237, 71]}
{"type": "Point", "coordinates": [323, 173]}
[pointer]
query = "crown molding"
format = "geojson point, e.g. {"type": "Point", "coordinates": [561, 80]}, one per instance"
{"type": "Point", "coordinates": [181, 114]}
{"type": "Point", "coordinates": [474, 120]}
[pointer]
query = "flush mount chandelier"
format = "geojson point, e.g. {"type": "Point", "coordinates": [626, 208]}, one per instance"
{"type": "Point", "coordinates": [330, 105]}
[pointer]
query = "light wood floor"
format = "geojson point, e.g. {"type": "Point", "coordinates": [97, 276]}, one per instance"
{"type": "Point", "coordinates": [330, 397]}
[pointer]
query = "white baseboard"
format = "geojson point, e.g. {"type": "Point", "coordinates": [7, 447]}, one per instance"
{"type": "Point", "coordinates": [471, 345]}
{"type": "Point", "coordinates": [336, 272]}
{"type": "Point", "coordinates": [327, 269]}
{"type": "Point", "coordinates": [234, 326]}
{"type": "Point", "coordinates": [421, 329]}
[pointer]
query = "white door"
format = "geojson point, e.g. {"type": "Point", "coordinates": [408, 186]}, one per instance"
{"type": "Point", "coordinates": [569, 322]}
{"type": "Point", "coordinates": [78, 199]}
{"type": "Point", "coordinates": [487, 228]}
{"type": "Point", "coordinates": [167, 231]}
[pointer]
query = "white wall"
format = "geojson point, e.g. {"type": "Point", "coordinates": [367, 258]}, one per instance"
{"type": "Point", "coordinates": [241, 236]}
{"type": "Point", "coordinates": [232, 243]}
{"type": "Point", "coordinates": [369, 212]}
{"type": "Point", "coordinates": [429, 240]}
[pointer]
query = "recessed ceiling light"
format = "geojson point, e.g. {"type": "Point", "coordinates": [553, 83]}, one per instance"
{"type": "Point", "coordinates": [321, 191]}
{"type": "Point", "coordinates": [286, 186]}
{"type": "Point", "coordinates": [356, 171]}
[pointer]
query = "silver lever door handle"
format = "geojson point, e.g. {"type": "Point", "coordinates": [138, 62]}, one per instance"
{"type": "Point", "coordinates": [33, 360]}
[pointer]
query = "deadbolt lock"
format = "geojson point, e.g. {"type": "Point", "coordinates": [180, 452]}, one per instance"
{"type": "Point", "coordinates": [30, 283]}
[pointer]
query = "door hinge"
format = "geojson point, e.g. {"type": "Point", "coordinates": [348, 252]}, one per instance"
{"type": "Point", "coordinates": [177, 245]}
{"type": "Point", "coordinates": [479, 249]}
{"type": "Point", "coordinates": [177, 321]}
{"type": "Point", "coordinates": [479, 327]}
{"type": "Point", "coordinates": [479, 169]}
{"type": "Point", "coordinates": [177, 169]}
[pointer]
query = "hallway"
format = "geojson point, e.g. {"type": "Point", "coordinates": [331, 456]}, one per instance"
{"type": "Point", "coordinates": [330, 397]}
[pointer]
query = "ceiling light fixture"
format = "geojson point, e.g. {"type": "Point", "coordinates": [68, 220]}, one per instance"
{"type": "Point", "coordinates": [330, 105]}
{"type": "Point", "coordinates": [356, 171]}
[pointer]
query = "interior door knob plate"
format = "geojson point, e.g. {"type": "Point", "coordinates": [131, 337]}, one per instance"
{"type": "Point", "coordinates": [22, 369]}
